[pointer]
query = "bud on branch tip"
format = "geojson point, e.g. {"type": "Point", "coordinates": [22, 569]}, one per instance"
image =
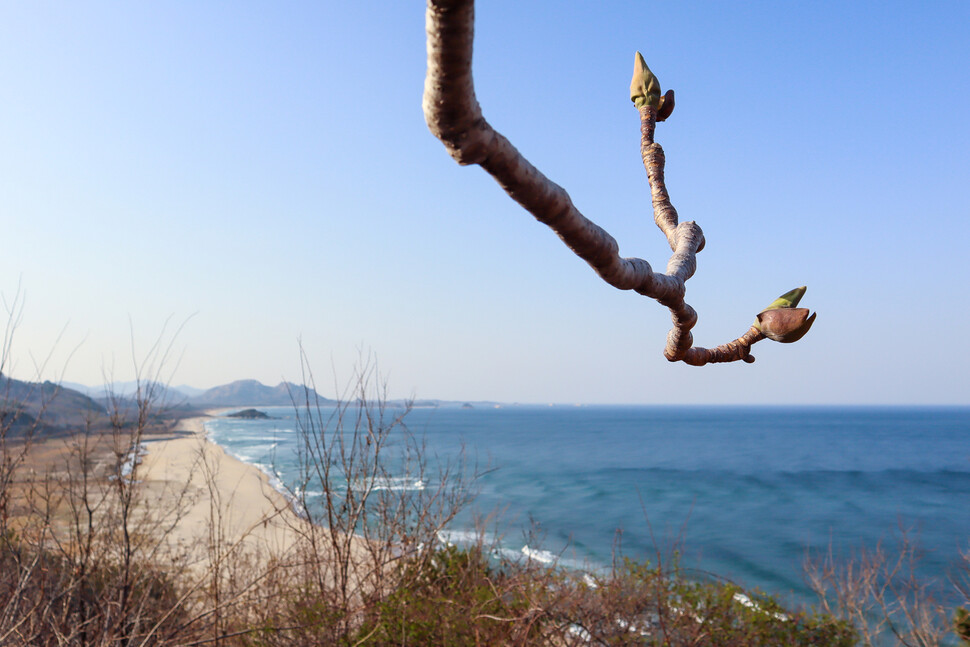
{"type": "Point", "coordinates": [781, 321]}
{"type": "Point", "coordinates": [644, 88]}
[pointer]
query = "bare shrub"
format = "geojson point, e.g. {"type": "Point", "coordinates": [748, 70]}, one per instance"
{"type": "Point", "coordinates": [83, 568]}
{"type": "Point", "coordinates": [83, 554]}
{"type": "Point", "coordinates": [644, 603]}
{"type": "Point", "coordinates": [374, 506]}
{"type": "Point", "coordinates": [882, 594]}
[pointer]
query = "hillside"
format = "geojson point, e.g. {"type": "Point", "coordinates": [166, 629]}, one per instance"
{"type": "Point", "coordinates": [253, 392]}
{"type": "Point", "coordinates": [161, 395]}
{"type": "Point", "coordinates": [53, 405]}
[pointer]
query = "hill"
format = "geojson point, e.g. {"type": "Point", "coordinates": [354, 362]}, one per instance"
{"type": "Point", "coordinates": [253, 392]}
{"type": "Point", "coordinates": [162, 395]}
{"type": "Point", "coordinates": [53, 405]}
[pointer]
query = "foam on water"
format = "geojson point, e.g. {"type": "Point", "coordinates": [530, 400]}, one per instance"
{"type": "Point", "coordinates": [274, 477]}
{"type": "Point", "coordinates": [401, 484]}
{"type": "Point", "coordinates": [538, 555]}
{"type": "Point", "coordinates": [453, 537]}
{"type": "Point", "coordinates": [389, 484]}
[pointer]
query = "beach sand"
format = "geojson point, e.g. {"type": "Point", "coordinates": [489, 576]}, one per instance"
{"type": "Point", "coordinates": [211, 500]}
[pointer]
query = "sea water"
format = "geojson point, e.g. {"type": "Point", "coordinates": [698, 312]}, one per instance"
{"type": "Point", "coordinates": [743, 492]}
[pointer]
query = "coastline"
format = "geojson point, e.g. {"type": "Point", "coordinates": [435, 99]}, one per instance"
{"type": "Point", "coordinates": [210, 502]}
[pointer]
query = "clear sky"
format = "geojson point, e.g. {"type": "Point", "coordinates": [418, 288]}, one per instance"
{"type": "Point", "coordinates": [262, 172]}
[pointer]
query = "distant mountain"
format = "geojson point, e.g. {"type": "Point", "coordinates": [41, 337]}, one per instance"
{"type": "Point", "coordinates": [190, 391]}
{"type": "Point", "coordinates": [51, 404]}
{"type": "Point", "coordinates": [252, 392]}
{"type": "Point", "coordinates": [162, 396]}
{"type": "Point", "coordinates": [90, 391]}
{"type": "Point", "coordinates": [241, 393]}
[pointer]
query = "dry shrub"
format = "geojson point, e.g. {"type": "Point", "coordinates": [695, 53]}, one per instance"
{"type": "Point", "coordinates": [81, 557]}
{"type": "Point", "coordinates": [46, 600]}
{"type": "Point", "coordinates": [884, 596]}
{"type": "Point", "coordinates": [77, 565]}
{"type": "Point", "coordinates": [642, 604]}
{"type": "Point", "coordinates": [454, 598]}
{"type": "Point", "coordinates": [374, 505]}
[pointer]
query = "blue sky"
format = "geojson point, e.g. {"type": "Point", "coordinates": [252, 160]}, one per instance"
{"type": "Point", "coordinates": [263, 173]}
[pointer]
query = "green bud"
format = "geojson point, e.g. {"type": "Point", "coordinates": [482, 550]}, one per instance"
{"type": "Point", "coordinates": [785, 325]}
{"type": "Point", "coordinates": [789, 299]}
{"type": "Point", "coordinates": [644, 88]}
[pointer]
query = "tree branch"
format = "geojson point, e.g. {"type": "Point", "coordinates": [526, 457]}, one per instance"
{"type": "Point", "coordinates": [454, 117]}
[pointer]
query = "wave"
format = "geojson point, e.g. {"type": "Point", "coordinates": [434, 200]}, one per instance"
{"type": "Point", "coordinates": [274, 477]}
{"type": "Point", "coordinates": [766, 471]}
{"type": "Point", "coordinates": [252, 453]}
{"type": "Point", "coordinates": [465, 537]}
{"type": "Point", "coordinates": [549, 558]}
{"type": "Point", "coordinates": [309, 494]}
{"type": "Point", "coordinates": [449, 537]}
{"type": "Point", "coordinates": [453, 537]}
{"type": "Point", "coordinates": [538, 555]}
{"type": "Point", "coordinates": [390, 483]}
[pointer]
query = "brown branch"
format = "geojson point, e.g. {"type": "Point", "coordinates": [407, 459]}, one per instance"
{"type": "Point", "coordinates": [454, 116]}
{"type": "Point", "coordinates": [739, 349]}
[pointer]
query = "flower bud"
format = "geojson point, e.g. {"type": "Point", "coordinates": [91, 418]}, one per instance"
{"type": "Point", "coordinates": [785, 325]}
{"type": "Point", "coordinates": [644, 88]}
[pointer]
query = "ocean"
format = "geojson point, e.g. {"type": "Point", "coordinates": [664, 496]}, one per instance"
{"type": "Point", "coordinates": [742, 492]}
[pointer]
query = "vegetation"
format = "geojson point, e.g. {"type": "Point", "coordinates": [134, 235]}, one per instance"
{"type": "Point", "coordinates": [84, 562]}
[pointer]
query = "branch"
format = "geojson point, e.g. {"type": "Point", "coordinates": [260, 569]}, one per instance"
{"type": "Point", "coordinates": [454, 116]}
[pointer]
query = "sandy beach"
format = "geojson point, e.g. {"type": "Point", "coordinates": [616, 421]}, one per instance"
{"type": "Point", "coordinates": [211, 500]}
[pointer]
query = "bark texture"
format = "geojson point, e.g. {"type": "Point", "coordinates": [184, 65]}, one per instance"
{"type": "Point", "coordinates": [454, 116]}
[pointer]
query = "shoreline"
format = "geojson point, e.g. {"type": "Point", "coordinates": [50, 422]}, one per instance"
{"type": "Point", "coordinates": [210, 502]}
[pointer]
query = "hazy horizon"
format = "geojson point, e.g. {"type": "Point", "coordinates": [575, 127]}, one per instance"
{"type": "Point", "coordinates": [236, 182]}
{"type": "Point", "coordinates": [191, 391]}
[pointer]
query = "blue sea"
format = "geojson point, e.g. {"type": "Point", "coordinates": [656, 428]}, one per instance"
{"type": "Point", "coordinates": [743, 492]}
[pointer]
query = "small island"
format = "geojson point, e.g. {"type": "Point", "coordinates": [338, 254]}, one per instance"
{"type": "Point", "coordinates": [250, 414]}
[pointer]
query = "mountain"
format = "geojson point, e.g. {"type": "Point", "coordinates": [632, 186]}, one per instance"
{"type": "Point", "coordinates": [161, 395]}
{"type": "Point", "coordinates": [189, 391]}
{"type": "Point", "coordinates": [53, 405]}
{"type": "Point", "coordinates": [252, 392]}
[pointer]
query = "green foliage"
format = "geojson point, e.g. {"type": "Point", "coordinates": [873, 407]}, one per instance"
{"type": "Point", "coordinates": [453, 598]}
{"type": "Point", "coordinates": [303, 618]}
{"type": "Point", "coordinates": [961, 624]}
{"type": "Point", "coordinates": [642, 604]}
{"type": "Point", "coordinates": [726, 616]}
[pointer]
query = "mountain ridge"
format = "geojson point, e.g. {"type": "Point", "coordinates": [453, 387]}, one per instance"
{"type": "Point", "coordinates": [48, 403]}
{"type": "Point", "coordinates": [255, 393]}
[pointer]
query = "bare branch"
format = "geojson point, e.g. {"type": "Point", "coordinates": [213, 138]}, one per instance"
{"type": "Point", "coordinates": [454, 116]}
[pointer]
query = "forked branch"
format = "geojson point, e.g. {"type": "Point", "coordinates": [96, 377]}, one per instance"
{"type": "Point", "coordinates": [454, 117]}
